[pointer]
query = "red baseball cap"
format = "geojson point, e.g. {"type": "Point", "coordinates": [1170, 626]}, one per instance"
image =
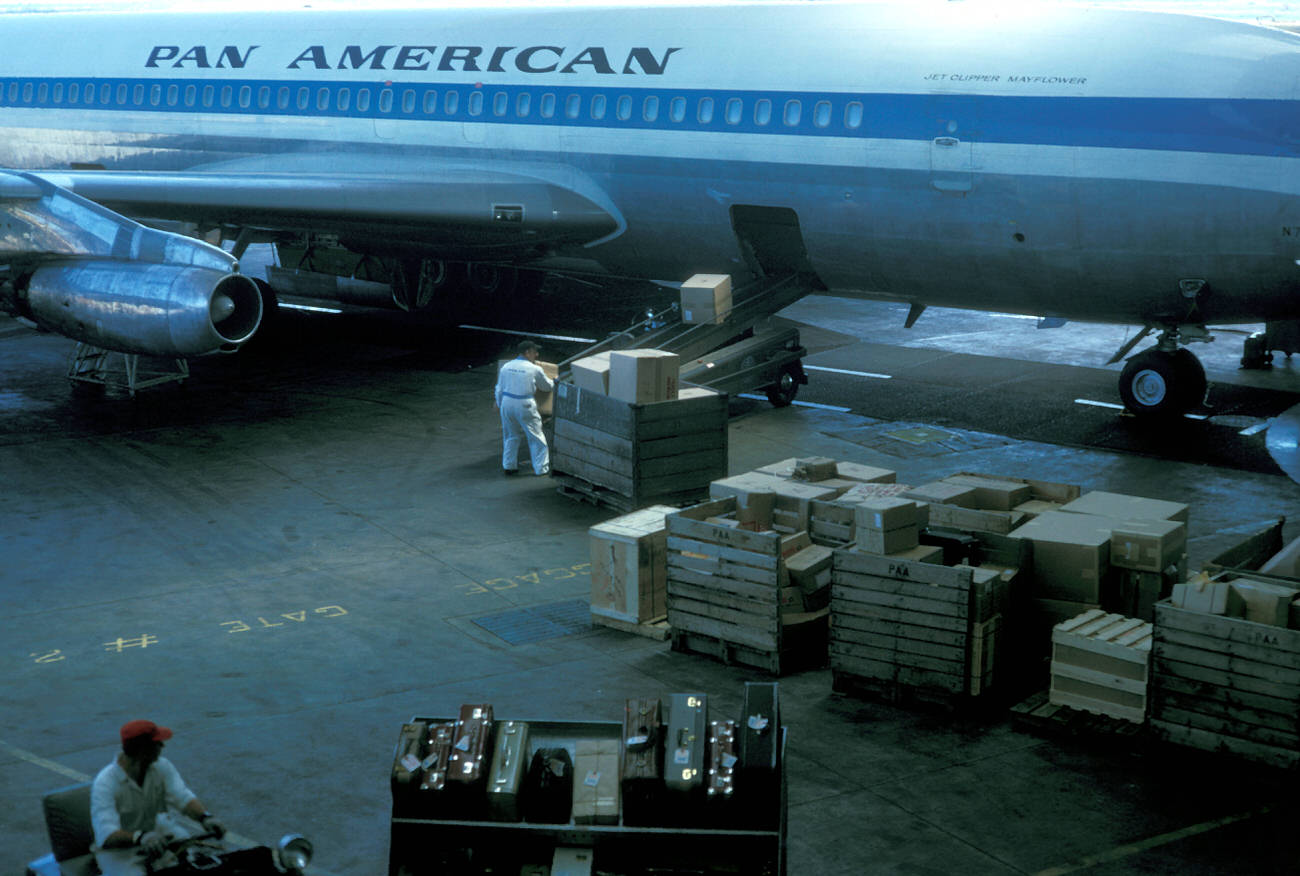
{"type": "Point", "coordinates": [138, 728]}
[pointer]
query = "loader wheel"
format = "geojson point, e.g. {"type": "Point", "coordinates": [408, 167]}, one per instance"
{"type": "Point", "coordinates": [782, 393]}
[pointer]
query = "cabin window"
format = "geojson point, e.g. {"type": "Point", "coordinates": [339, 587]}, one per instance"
{"type": "Point", "coordinates": [282, 98]}
{"type": "Point", "coordinates": [793, 113]}
{"type": "Point", "coordinates": [822, 113]}
{"type": "Point", "coordinates": [704, 113]}
{"type": "Point", "coordinates": [735, 107]}
{"type": "Point", "coordinates": [58, 92]}
{"type": "Point", "coordinates": [598, 102]}
{"type": "Point", "coordinates": [137, 95]}
{"type": "Point", "coordinates": [475, 103]}
{"type": "Point", "coordinates": [155, 95]}
{"type": "Point", "coordinates": [28, 88]}
{"type": "Point", "coordinates": [853, 115]}
{"type": "Point", "coordinates": [650, 109]}
{"type": "Point", "coordinates": [13, 92]}
{"type": "Point", "coordinates": [173, 95]}
{"type": "Point", "coordinates": [573, 105]}
{"type": "Point", "coordinates": [523, 104]}
{"type": "Point", "coordinates": [227, 95]}
{"type": "Point", "coordinates": [623, 109]}
{"type": "Point", "coordinates": [677, 109]}
{"type": "Point", "coordinates": [304, 97]}
{"type": "Point", "coordinates": [322, 99]}
{"type": "Point", "coordinates": [263, 97]}
{"type": "Point", "coordinates": [191, 94]}
{"type": "Point", "coordinates": [408, 101]}
{"type": "Point", "coordinates": [74, 92]}
{"type": "Point", "coordinates": [209, 94]}
{"type": "Point", "coordinates": [245, 96]}
{"type": "Point", "coordinates": [451, 103]}
{"type": "Point", "coordinates": [430, 102]}
{"type": "Point", "coordinates": [386, 100]}
{"type": "Point", "coordinates": [500, 103]}
{"type": "Point", "coordinates": [43, 92]}
{"type": "Point", "coordinates": [344, 99]}
{"type": "Point", "coordinates": [363, 100]}
{"type": "Point", "coordinates": [106, 94]}
{"type": "Point", "coordinates": [547, 108]}
{"type": "Point", "coordinates": [762, 111]}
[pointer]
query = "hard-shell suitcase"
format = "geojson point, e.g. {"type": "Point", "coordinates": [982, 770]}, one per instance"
{"type": "Point", "coordinates": [758, 772]}
{"type": "Point", "coordinates": [684, 744]}
{"type": "Point", "coordinates": [643, 759]}
{"type": "Point", "coordinates": [472, 745]}
{"type": "Point", "coordinates": [429, 793]}
{"type": "Point", "coordinates": [720, 783]}
{"type": "Point", "coordinates": [407, 757]}
{"type": "Point", "coordinates": [507, 774]}
{"type": "Point", "coordinates": [548, 789]}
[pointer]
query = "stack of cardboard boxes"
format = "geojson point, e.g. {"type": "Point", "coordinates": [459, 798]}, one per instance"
{"type": "Point", "coordinates": [638, 377]}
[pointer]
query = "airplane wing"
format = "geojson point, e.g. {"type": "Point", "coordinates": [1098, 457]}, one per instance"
{"type": "Point", "coordinates": [466, 211]}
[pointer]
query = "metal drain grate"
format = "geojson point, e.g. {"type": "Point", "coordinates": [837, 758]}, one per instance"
{"type": "Point", "coordinates": [518, 626]}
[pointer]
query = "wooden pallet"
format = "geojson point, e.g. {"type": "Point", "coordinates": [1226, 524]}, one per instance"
{"type": "Point", "coordinates": [793, 658]}
{"type": "Point", "coordinates": [1040, 716]}
{"type": "Point", "coordinates": [654, 629]}
{"type": "Point", "coordinates": [1226, 684]}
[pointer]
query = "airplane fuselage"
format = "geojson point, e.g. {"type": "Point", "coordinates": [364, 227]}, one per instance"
{"type": "Point", "coordinates": [1069, 162]}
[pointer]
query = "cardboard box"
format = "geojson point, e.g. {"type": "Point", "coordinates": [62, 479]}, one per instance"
{"type": "Point", "coordinates": [643, 376]}
{"type": "Point", "coordinates": [944, 493]}
{"type": "Point", "coordinates": [793, 498]}
{"type": "Point", "coordinates": [891, 541]}
{"type": "Point", "coordinates": [864, 491]}
{"type": "Point", "coordinates": [629, 565]}
{"type": "Point", "coordinates": [592, 372]}
{"type": "Point", "coordinates": [922, 553]}
{"type": "Point", "coordinates": [792, 544]}
{"type": "Point", "coordinates": [1147, 545]}
{"type": "Point", "coordinates": [1209, 597]}
{"type": "Point", "coordinates": [789, 600]}
{"type": "Point", "coordinates": [974, 519]}
{"type": "Point", "coordinates": [706, 298]}
{"type": "Point", "coordinates": [1071, 555]}
{"type": "Point", "coordinates": [1266, 602]}
{"type": "Point", "coordinates": [1125, 507]}
{"type": "Point", "coordinates": [992, 494]}
{"type": "Point", "coordinates": [810, 568]}
{"type": "Point", "coordinates": [814, 468]}
{"type": "Point", "coordinates": [867, 474]}
{"type": "Point", "coordinates": [1034, 507]}
{"type": "Point", "coordinates": [884, 515]}
{"type": "Point", "coordinates": [596, 781]}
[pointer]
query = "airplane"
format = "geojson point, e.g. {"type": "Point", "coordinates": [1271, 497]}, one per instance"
{"type": "Point", "coordinates": [1080, 164]}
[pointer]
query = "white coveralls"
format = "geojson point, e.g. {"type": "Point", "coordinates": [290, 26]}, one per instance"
{"type": "Point", "coordinates": [517, 383]}
{"type": "Point", "coordinates": [118, 803]}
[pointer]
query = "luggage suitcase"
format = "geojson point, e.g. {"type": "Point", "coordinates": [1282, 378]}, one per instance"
{"type": "Point", "coordinates": [758, 776]}
{"type": "Point", "coordinates": [407, 757]}
{"type": "Point", "coordinates": [429, 791]}
{"type": "Point", "coordinates": [643, 759]}
{"type": "Point", "coordinates": [720, 784]}
{"type": "Point", "coordinates": [507, 770]}
{"type": "Point", "coordinates": [595, 781]}
{"type": "Point", "coordinates": [471, 746]}
{"type": "Point", "coordinates": [684, 745]}
{"type": "Point", "coordinates": [548, 789]}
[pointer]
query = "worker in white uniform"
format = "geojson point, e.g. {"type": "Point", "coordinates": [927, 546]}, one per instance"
{"type": "Point", "coordinates": [517, 384]}
{"type": "Point", "coordinates": [139, 802]}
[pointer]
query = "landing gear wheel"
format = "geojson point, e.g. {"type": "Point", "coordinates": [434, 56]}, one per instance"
{"type": "Point", "coordinates": [1156, 384]}
{"type": "Point", "coordinates": [782, 393]}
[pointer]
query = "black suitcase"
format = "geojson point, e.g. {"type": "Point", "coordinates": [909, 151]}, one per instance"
{"type": "Point", "coordinates": [758, 770]}
{"type": "Point", "coordinates": [548, 790]}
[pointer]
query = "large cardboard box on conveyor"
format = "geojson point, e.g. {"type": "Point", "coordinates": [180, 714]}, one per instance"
{"type": "Point", "coordinates": [706, 298]}
{"type": "Point", "coordinates": [629, 564]}
{"type": "Point", "coordinates": [627, 456]}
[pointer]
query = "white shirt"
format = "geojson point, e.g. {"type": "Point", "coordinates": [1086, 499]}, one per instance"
{"type": "Point", "coordinates": [118, 803]}
{"type": "Point", "coordinates": [521, 379]}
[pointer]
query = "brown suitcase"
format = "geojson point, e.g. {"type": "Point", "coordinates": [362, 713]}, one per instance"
{"type": "Point", "coordinates": [437, 757]}
{"type": "Point", "coordinates": [472, 745]}
{"type": "Point", "coordinates": [409, 753]}
{"type": "Point", "coordinates": [722, 758]}
{"type": "Point", "coordinates": [643, 742]}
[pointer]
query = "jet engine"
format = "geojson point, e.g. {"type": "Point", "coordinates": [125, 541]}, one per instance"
{"type": "Point", "coordinates": [154, 309]}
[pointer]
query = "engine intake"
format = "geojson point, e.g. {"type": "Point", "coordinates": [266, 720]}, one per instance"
{"type": "Point", "coordinates": [153, 309]}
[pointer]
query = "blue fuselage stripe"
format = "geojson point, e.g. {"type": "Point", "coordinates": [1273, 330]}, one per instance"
{"type": "Point", "coordinates": [1217, 125]}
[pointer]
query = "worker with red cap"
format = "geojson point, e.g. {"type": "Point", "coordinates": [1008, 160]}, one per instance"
{"type": "Point", "coordinates": [138, 803]}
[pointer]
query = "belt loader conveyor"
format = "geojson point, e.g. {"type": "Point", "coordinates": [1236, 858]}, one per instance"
{"type": "Point", "coordinates": [731, 356]}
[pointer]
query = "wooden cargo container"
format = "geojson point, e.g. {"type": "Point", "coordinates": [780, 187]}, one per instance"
{"type": "Point", "coordinates": [1226, 684]}
{"type": "Point", "coordinates": [899, 624]}
{"type": "Point", "coordinates": [724, 588]}
{"type": "Point", "coordinates": [626, 456]}
{"type": "Point", "coordinates": [1100, 664]}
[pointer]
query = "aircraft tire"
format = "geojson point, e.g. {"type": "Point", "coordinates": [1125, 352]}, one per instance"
{"type": "Point", "coordinates": [1157, 385]}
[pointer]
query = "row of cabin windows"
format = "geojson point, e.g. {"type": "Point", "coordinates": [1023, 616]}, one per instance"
{"type": "Point", "coordinates": [341, 99]}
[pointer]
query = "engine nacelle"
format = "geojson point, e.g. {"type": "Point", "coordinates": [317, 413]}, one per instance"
{"type": "Point", "coordinates": [154, 309]}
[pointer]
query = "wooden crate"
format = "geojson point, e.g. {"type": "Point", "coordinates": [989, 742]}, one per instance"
{"type": "Point", "coordinates": [627, 456]}
{"type": "Point", "coordinates": [724, 594]}
{"type": "Point", "coordinates": [1226, 684]}
{"type": "Point", "coordinates": [918, 625]}
{"type": "Point", "coordinates": [1100, 663]}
